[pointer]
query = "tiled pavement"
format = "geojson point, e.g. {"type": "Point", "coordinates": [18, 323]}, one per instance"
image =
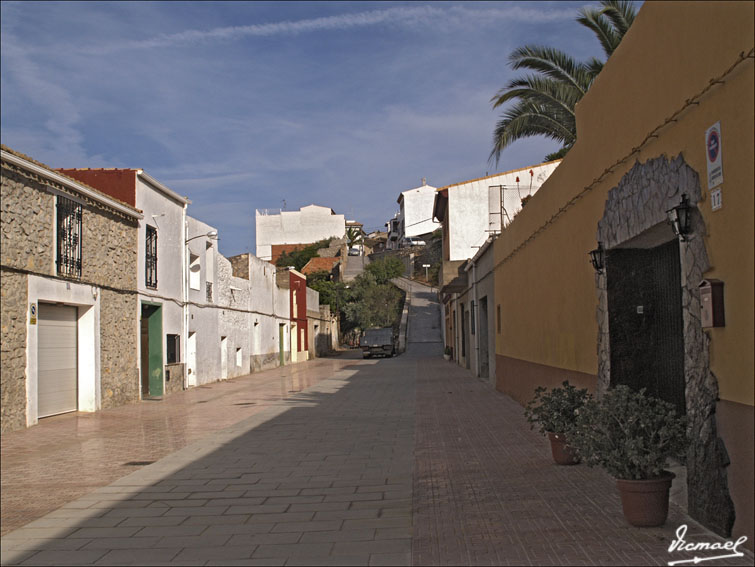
{"type": "Point", "coordinates": [407, 460]}
{"type": "Point", "coordinates": [67, 456]}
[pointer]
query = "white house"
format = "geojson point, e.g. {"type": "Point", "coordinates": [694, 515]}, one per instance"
{"type": "Point", "coordinates": [269, 312]}
{"type": "Point", "coordinates": [393, 229]}
{"type": "Point", "coordinates": [305, 226]}
{"type": "Point", "coordinates": [473, 210]}
{"type": "Point", "coordinates": [416, 211]}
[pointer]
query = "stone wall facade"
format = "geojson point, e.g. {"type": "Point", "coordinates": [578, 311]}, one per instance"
{"type": "Point", "coordinates": [27, 230]}
{"type": "Point", "coordinates": [636, 205]}
{"type": "Point", "coordinates": [119, 370]}
{"type": "Point", "coordinates": [27, 218]}
{"type": "Point", "coordinates": [13, 301]}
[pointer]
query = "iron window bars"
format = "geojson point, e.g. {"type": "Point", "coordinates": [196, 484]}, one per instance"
{"type": "Point", "coordinates": [68, 246]}
{"type": "Point", "coordinates": [151, 258]}
{"type": "Point", "coordinates": [208, 287]}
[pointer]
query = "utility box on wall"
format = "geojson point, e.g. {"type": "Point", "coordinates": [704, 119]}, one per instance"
{"type": "Point", "coordinates": [712, 303]}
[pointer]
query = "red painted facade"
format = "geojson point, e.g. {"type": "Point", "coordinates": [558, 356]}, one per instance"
{"type": "Point", "coordinates": [298, 309]}
{"type": "Point", "coordinates": [118, 183]}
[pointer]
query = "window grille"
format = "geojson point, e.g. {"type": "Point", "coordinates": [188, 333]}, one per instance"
{"type": "Point", "coordinates": [209, 292]}
{"type": "Point", "coordinates": [68, 238]}
{"type": "Point", "coordinates": [151, 258]}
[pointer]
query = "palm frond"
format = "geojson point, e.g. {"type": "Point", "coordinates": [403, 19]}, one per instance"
{"type": "Point", "coordinates": [552, 63]}
{"type": "Point", "coordinates": [526, 119]}
{"type": "Point", "coordinates": [594, 20]}
{"type": "Point", "coordinates": [621, 13]}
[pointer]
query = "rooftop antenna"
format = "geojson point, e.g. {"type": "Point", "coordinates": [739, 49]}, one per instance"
{"type": "Point", "coordinates": [284, 204]}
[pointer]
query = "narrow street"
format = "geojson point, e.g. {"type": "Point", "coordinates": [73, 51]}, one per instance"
{"type": "Point", "coordinates": [337, 461]}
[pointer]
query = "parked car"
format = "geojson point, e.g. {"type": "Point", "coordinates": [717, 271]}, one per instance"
{"type": "Point", "coordinates": [354, 252]}
{"type": "Point", "coordinates": [378, 342]}
{"type": "Point", "coordinates": [413, 241]}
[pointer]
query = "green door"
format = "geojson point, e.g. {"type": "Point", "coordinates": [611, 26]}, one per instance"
{"type": "Point", "coordinates": [152, 359]}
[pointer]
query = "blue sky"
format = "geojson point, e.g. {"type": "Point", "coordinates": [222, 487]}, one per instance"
{"type": "Point", "coordinates": [242, 105]}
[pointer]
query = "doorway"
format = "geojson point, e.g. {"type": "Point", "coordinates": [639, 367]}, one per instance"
{"type": "Point", "coordinates": [223, 358]}
{"type": "Point", "coordinates": [282, 343]}
{"type": "Point", "coordinates": [645, 321]}
{"type": "Point", "coordinates": [151, 350]}
{"type": "Point", "coordinates": [483, 339]}
{"type": "Point", "coordinates": [57, 357]}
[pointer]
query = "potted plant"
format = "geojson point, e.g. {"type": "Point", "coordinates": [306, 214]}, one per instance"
{"type": "Point", "coordinates": [631, 435]}
{"type": "Point", "coordinates": [555, 411]}
{"type": "Point", "coordinates": [447, 352]}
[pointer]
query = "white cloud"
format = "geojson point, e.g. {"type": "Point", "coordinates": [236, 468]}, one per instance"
{"type": "Point", "coordinates": [428, 16]}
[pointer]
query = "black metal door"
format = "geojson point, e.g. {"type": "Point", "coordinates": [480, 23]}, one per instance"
{"type": "Point", "coordinates": [645, 320]}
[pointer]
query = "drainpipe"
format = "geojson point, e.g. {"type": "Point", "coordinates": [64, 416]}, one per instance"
{"type": "Point", "coordinates": [185, 294]}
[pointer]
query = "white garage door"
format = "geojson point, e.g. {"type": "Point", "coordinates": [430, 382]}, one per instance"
{"type": "Point", "coordinates": [57, 375]}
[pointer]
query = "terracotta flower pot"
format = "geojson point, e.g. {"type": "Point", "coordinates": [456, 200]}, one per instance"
{"type": "Point", "coordinates": [645, 502]}
{"type": "Point", "coordinates": [562, 453]}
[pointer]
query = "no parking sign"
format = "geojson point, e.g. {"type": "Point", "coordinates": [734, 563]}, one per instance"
{"type": "Point", "coordinates": [713, 155]}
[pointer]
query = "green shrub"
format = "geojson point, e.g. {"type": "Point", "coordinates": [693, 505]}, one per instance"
{"type": "Point", "coordinates": [385, 269]}
{"type": "Point", "coordinates": [555, 410]}
{"type": "Point", "coordinates": [628, 433]}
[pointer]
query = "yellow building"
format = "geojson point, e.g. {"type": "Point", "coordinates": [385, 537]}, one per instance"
{"type": "Point", "coordinates": [674, 103]}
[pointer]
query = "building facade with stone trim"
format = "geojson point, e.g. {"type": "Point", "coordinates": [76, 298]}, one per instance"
{"type": "Point", "coordinates": [160, 269]}
{"type": "Point", "coordinates": [643, 148]}
{"type": "Point", "coordinates": [69, 295]}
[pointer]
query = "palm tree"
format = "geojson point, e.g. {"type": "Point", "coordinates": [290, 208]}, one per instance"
{"type": "Point", "coordinates": [544, 101]}
{"type": "Point", "coordinates": [354, 236]}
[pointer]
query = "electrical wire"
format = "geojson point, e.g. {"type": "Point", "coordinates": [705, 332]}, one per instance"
{"type": "Point", "coordinates": [692, 101]}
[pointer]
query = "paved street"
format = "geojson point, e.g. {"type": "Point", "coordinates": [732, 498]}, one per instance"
{"type": "Point", "coordinates": [338, 461]}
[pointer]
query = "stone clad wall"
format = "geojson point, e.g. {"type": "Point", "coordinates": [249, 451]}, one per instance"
{"type": "Point", "coordinates": [119, 370]}
{"type": "Point", "coordinates": [13, 300]}
{"type": "Point", "coordinates": [26, 224]}
{"type": "Point", "coordinates": [109, 255]}
{"type": "Point", "coordinates": [634, 206]}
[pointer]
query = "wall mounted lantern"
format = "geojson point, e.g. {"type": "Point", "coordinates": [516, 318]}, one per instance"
{"type": "Point", "coordinates": [679, 217]}
{"type": "Point", "coordinates": [598, 258]}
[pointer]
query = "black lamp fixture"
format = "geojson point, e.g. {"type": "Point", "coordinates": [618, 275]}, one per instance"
{"type": "Point", "coordinates": [598, 258]}
{"type": "Point", "coordinates": [679, 217]}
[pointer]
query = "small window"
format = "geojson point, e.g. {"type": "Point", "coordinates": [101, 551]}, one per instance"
{"type": "Point", "coordinates": [150, 258]}
{"type": "Point", "coordinates": [194, 269]}
{"type": "Point", "coordinates": [173, 349]}
{"type": "Point", "coordinates": [238, 357]}
{"type": "Point", "coordinates": [498, 318]}
{"type": "Point", "coordinates": [68, 246]}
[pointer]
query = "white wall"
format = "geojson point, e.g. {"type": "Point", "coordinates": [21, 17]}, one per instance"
{"type": "Point", "coordinates": [305, 226]}
{"type": "Point", "coordinates": [203, 315]}
{"type": "Point", "coordinates": [271, 309]}
{"type": "Point", "coordinates": [417, 211]}
{"type": "Point", "coordinates": [166, 214]}
{"type": "Point", "coordinates": [471, 203]}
